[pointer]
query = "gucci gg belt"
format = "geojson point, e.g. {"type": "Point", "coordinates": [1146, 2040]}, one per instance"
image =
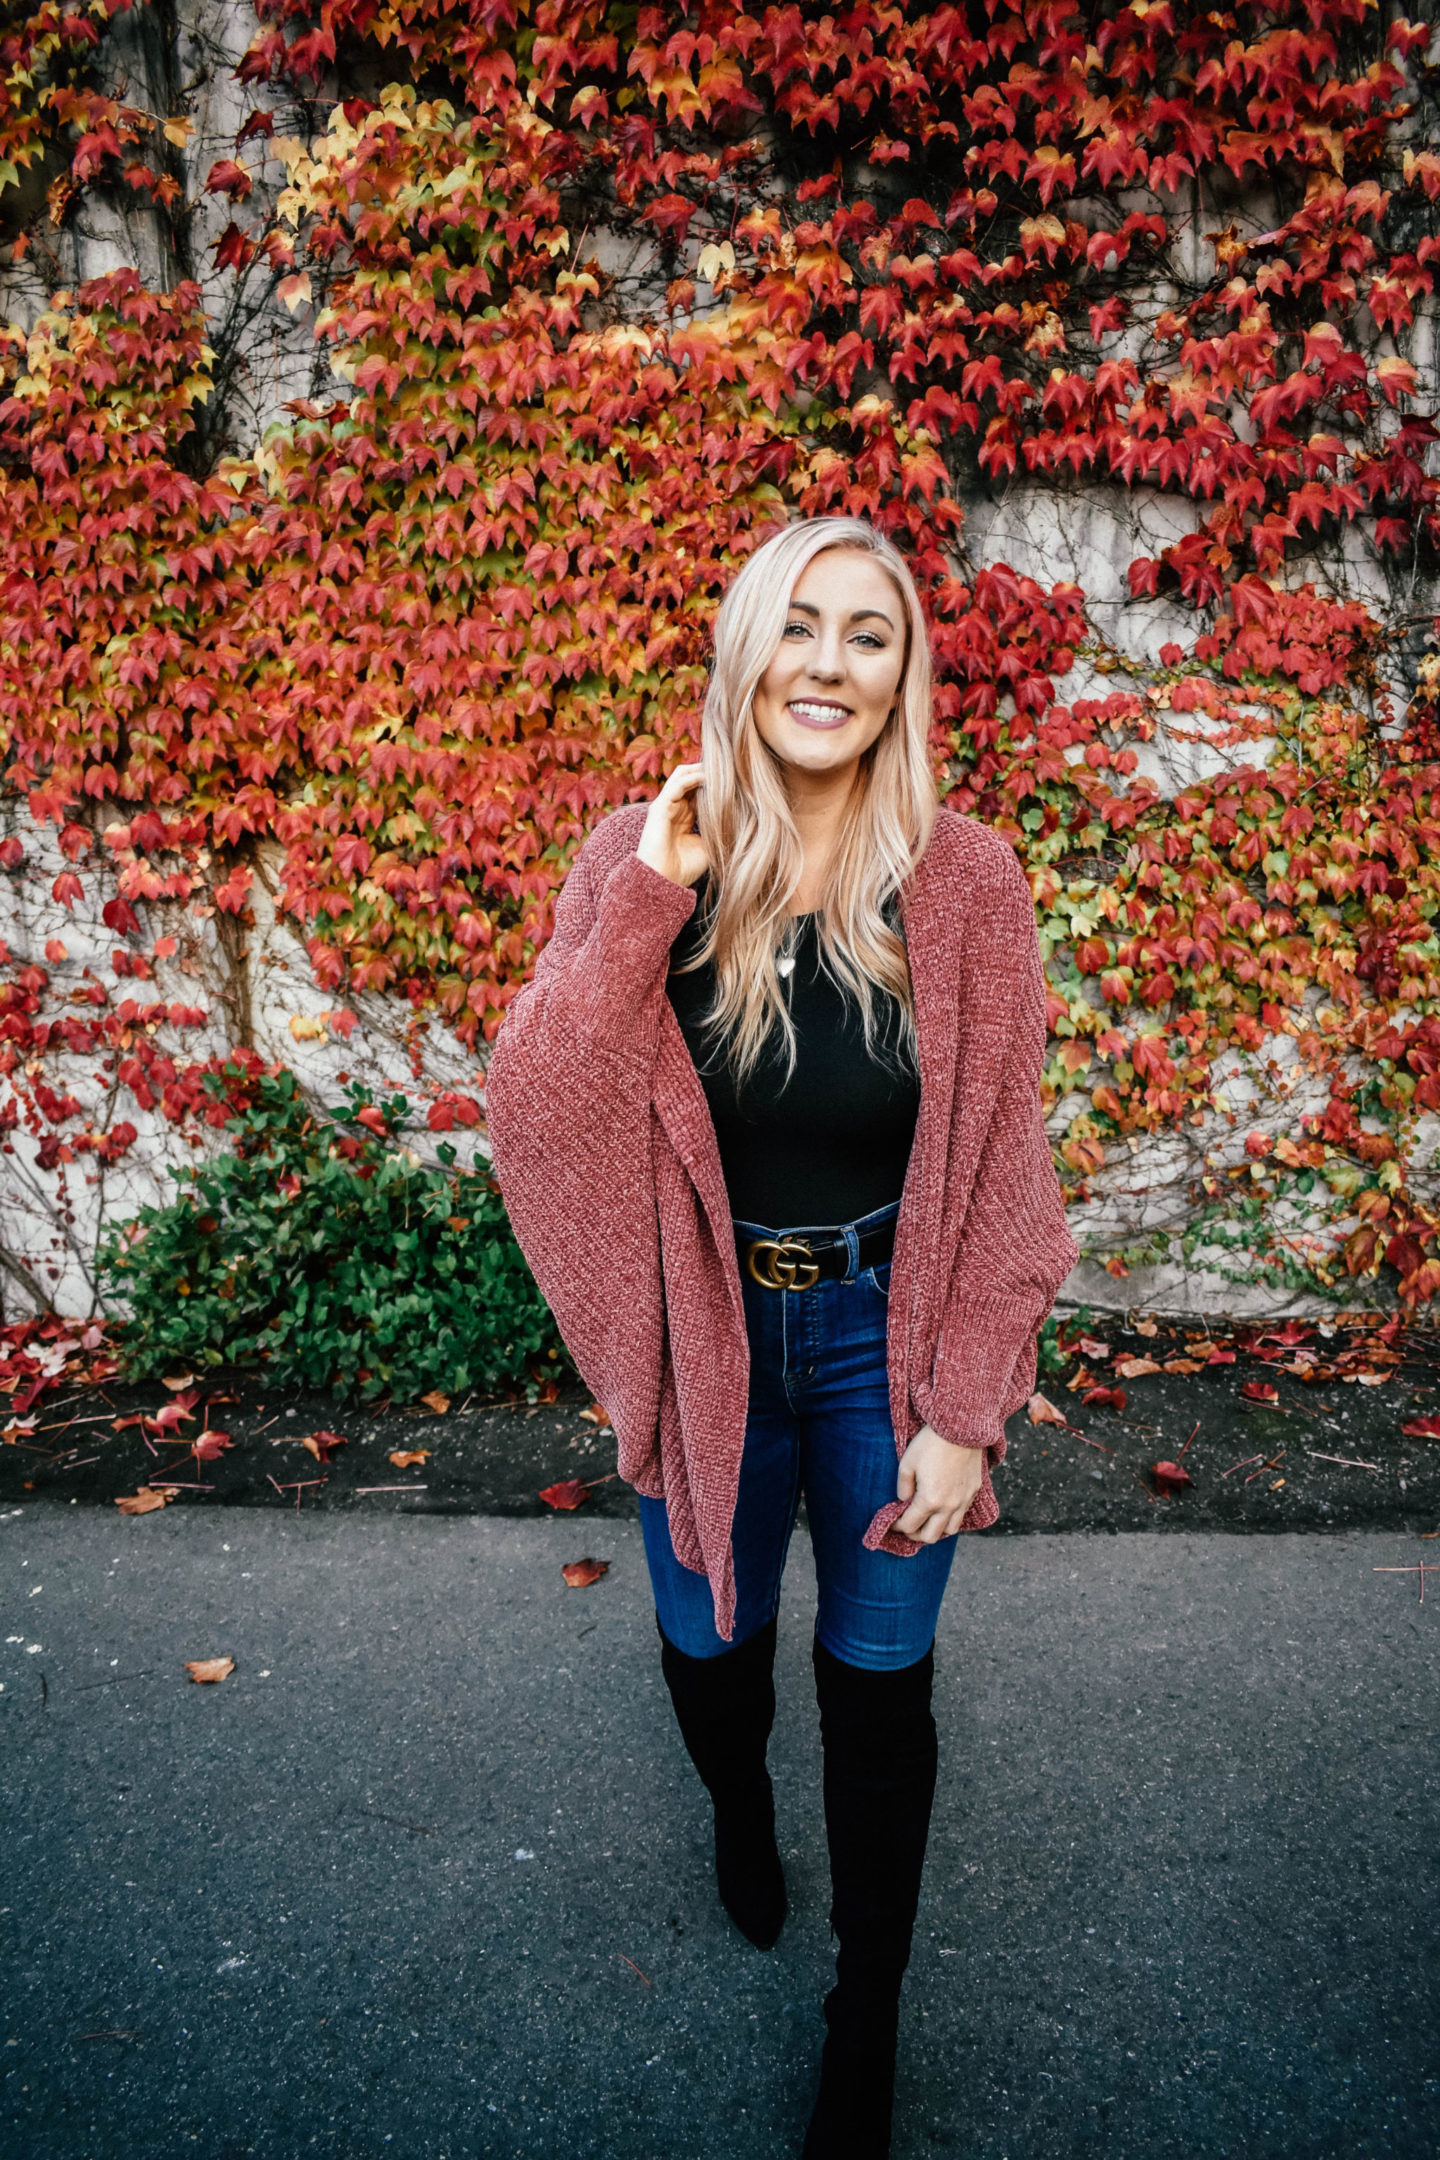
{"type": "Point", "coordinates": [796, 1263]}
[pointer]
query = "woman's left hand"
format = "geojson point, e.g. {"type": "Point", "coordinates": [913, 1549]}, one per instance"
{"type": "Point", "coordinates": [940, 1482]}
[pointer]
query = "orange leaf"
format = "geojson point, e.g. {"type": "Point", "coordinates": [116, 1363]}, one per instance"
{"type": "Point", "coordinates": [209, 1445]}
{"type": "Point", "coordinates": [1044, 1413]}
{"type": "Point", "coordinates": [210, 1668]}
{"type": "Point", "coordinates": [436, 1401]}
{"type": "Point", "coordinates": [322, 1445]}
{"type": "Point", "coordinates": [569, 1493]}
{"type": "Point", "coordinates": [596, 1416]}
{"type": "Point", "coordinates": [1134, 1368]}
{"type": "Point", "coordinates": [143, 1502]}
{"type": "Point", "coordinates": [406, 1458]}
{"type": "Point", "coordinates": [581, 1573]}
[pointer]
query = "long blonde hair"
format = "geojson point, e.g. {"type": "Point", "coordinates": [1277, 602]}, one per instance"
{"type": "Point", "coordinates": [755, 852]}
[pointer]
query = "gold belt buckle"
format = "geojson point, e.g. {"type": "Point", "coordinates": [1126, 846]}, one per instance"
{"type": "Point", "coordinates": [782, 1264]}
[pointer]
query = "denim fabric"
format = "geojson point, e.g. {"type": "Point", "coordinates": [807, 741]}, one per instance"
{"type": "Point", "coordinates": [819, 1423]}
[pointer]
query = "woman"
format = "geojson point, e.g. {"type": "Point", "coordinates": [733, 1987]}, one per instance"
{"type": "Point", "coordinates": [767, 1123]}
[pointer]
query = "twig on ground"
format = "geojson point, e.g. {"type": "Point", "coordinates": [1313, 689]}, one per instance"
{"type": "Point", "coordinates": [1348, 1461]}
{"type": "Point", "coordinates": [634, 1968]}
{"type": "Point", "coordinates": [1243, 1464]}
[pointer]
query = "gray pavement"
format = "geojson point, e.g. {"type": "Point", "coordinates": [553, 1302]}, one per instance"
{"type": "Point", "coordinates": [428, 1875]}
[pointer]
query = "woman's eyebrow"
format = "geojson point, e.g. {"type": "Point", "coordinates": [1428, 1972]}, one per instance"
{"type": "Point", "coordinates": [859, 614]}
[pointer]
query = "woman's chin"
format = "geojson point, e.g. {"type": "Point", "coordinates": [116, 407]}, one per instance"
{"type": "Point", "coordinates": [816, 749]}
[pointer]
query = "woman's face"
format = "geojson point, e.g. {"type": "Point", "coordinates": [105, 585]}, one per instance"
{"type": "Point", "coordinates": [832, 682]}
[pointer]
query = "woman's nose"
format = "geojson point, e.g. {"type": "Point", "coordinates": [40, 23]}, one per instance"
{"type": "Point", "coordinates": [827, 659]}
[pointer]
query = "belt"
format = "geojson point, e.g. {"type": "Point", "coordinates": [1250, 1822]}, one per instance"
{"type": "Point", "coordinates": [794, 1263]}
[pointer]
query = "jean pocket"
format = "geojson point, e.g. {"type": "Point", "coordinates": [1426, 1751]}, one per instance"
{"type": "Point", "coordinates": [878, 1278]}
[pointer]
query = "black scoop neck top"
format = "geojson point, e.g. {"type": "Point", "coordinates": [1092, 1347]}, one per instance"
{"type": "Point", "coordinates": [826, 1143]}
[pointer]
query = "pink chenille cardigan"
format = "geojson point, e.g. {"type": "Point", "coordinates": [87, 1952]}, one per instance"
{"type": "Point", "coordinates": [607, 1160]}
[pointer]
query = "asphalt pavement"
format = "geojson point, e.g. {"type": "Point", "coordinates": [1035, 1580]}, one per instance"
{"type": "Point", "coordinates": [428, 1876]}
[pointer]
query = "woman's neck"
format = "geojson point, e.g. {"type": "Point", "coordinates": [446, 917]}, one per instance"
{"type": "Point", "coordinates": [819, 803]}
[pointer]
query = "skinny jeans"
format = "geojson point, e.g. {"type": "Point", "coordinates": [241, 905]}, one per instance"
{"type": "Point", "coordinates": [818, 1424]}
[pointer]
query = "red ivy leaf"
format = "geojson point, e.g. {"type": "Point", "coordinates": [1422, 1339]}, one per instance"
{"type": "Point", "coordinates": [569, 1493]}
{"type": "Point", "coordinates": [581, 1573]}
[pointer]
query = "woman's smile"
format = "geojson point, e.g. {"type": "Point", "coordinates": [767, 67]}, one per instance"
{"type": "Point", "coordinates": [818, 712]}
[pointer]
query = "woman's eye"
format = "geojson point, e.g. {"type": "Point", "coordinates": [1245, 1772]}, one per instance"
{"type": "Point", "coordinates": [804, 628]}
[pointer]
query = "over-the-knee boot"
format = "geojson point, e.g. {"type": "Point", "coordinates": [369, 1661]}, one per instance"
{"type": "Point", "coordinates": [880, 1761]}
{"type": "Point", "coordinates": [725, 1707]}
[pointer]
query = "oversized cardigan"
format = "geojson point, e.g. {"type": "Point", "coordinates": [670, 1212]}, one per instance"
{"type": "Point", "coordinates": [606, 1156]}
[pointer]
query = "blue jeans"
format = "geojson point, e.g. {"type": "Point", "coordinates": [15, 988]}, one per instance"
{"type": "Point", "coordinates": [819, 1423]}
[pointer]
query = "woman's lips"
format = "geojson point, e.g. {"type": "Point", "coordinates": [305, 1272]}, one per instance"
{"type": "Point", "coordinates": [818, 713]}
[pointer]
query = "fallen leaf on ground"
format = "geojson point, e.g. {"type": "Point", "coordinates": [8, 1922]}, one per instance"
{"type": "Point", "coordinates": [569, 1493]}
{"type": "Point", "coordinates": [1259, 1391]}
{"type": "Point", "coordinates": [1171, 1476]}
{"type": "Point", "coordinates": [1133, 1368]}
{"type": "Point", "coordinates": [595, 1415]}
{"type": "Point", "coordinates": [436, 1401]}
{"type": "Point", "coordinates": [1147, 1327]}
{"type": "Point", "coordinates": [1184, 1364]}
{"type": "Point", "coordinates": [1104, 1398]}
{"type": "Point", "coordinates": [581, 1573]}
{"type": "Point", "coordinates": [405, 1458]}
{"type": "Point", "coordinates": [182, 1410]}
{"type": "Point", "coordinates": [176, 1381]}
{"type": "Point", "coordinates": [322, 1445]}
{"type": "Point", "coordinates": [1091, 1348]}
{"type": "Point", "coordinates": [1294, 1331]}
{"type": "Point", "coordinates": [209, 1445]}
{"type": "Point", "coordinates": [1221, 1357]}
{"type": "Point", "coordinates": [1369, 1379]}
{"type": "Point", "coordinates": [144, 1502]}
{"type": "Point", "coordinates": [19, 1427]}
{"type": "Point", "coordinates": [1421, 1428]}
{"type": "Point", "coordinates": [210, 1668]}
{"type": "Point", "coordinates": [1042, 1412]}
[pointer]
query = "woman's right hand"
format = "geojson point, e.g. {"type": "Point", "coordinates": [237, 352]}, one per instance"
{"type": "Point", "coordinates": [671, 842]}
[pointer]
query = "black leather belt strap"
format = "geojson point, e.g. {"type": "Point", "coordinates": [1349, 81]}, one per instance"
{"type": "Point", "coordinates": [794, 1263]}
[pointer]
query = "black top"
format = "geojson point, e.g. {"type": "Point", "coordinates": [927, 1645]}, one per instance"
{"type": "Point", "coordinates": [829, 1143]}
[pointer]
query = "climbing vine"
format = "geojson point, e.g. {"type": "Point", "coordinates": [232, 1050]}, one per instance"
{"type": "Point", "coordinates": [606, 291]}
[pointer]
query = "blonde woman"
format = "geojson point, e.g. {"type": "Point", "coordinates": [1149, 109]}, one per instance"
{"type": "Point", "coordinates": [767, 1123]}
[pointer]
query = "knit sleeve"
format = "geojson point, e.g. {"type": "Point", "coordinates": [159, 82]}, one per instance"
{"type": "Point", "coordinates": [1015, 1249]}
{"type": "Point", "coordinates": [599, 986]}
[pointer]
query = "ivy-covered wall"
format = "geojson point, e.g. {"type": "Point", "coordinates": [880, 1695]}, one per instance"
{"type": "Point", "coordinates": [389, 394]}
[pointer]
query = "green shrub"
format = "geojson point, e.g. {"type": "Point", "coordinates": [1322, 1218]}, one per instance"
{"type": "Point", "coordinates": [324, 1250]}
{"type": "Point", "coordinates": [1052, 1352]}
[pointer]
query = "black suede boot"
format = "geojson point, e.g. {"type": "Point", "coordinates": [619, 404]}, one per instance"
{"type": "Point", "coordinates": [725, 1707]}
{"type": "Point", "coordinates": [880, 1760]}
